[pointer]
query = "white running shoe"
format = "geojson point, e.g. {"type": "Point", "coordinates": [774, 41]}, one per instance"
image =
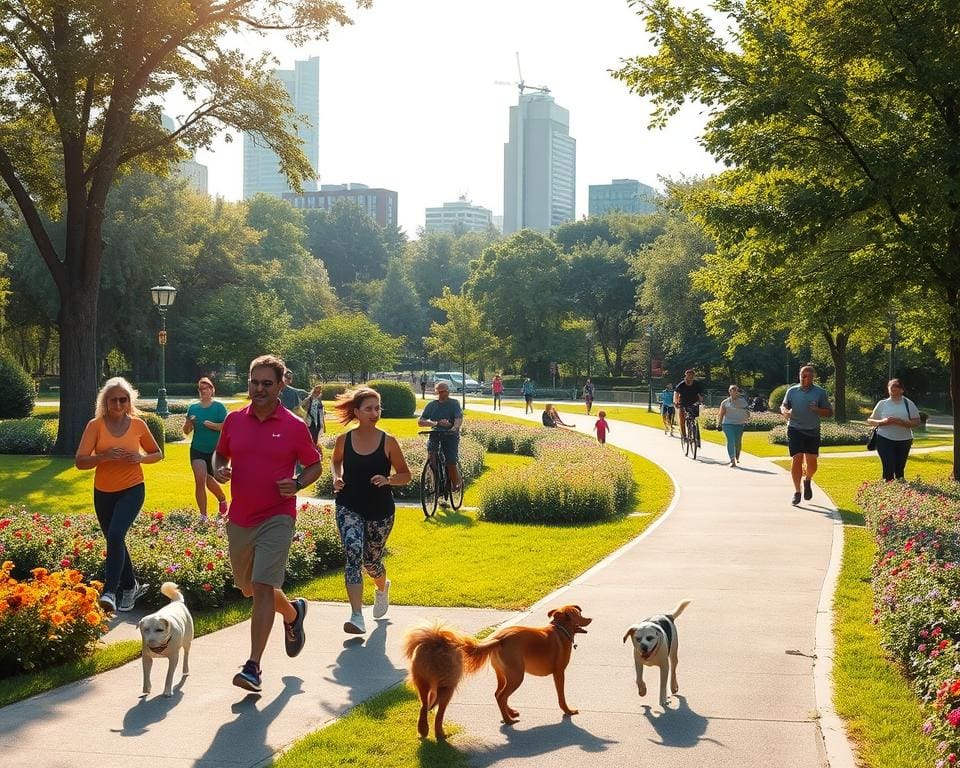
{"type": "Point", "coordinates": [129, 597]}
{"type": "Point", "coordinates": [355, 626]}
{"type": "Point", "coordinates": [381, 601]}
{"type": "Point", "coordinates": [108, 602]}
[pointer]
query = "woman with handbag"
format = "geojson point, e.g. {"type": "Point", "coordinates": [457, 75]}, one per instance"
{"type": "Point", "coordinates": [894, 417]}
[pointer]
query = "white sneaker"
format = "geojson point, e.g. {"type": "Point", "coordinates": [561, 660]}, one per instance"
{"type": "Point", "coordinates": [381, 601]}
{"type": "Point", "coordinates": [129, 597]}
{"type": "Point", "coordinates": [108, 602]}
{"type": "Point", "coordinates": [355, 626]}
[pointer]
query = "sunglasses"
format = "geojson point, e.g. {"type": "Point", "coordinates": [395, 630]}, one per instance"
{"type": "Point", "coordinates": [120, 400]}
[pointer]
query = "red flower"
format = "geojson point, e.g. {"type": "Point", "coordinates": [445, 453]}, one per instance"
{"type": "Point", "coordinates": [65, 563]}
{"type": "Point", "coordinates": [188, 552]}
{"type": "Point", "coordinates": [207, 587]}
{"type": "Point", "coordinates": [936, 632]}
{"type": "Point", "coordinates": [943, 644]}
{"type": "Point", "coordinates": [66, 523]}
{"type": "Point", "coordinates": [209, 566]}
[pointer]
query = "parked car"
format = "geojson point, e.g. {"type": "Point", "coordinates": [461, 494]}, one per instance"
{"type": "Point", "coordinates": [455, 380]}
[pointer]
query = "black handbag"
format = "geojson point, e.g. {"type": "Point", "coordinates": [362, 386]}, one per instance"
{"type": "Point", "coordinates": [872, 440]}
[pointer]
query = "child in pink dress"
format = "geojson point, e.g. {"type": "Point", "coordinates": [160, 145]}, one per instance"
{"type": "Point", "coordinates": [601, 428]}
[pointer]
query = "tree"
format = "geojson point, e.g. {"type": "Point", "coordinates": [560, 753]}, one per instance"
{"type": "Point", "coordinates": [463, 336]}
{"type": "Point", "coordinates": [344, 343]}
{"type": "Point", "coordinates": [349, 243]}
{"type": "Point", "coordinates": [839, 114]}
{"type": "Point", "coordinates": [397, 310]}
{"type": "Point", "coordinates": [80, 85]}
{"type": "Point", "coordinates": [435, 262]}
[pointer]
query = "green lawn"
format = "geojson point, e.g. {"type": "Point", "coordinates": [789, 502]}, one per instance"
{"type": "Point", "coordinates": [882, 714]}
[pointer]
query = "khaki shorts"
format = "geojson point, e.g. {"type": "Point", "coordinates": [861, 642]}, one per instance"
{"type": "Point", "coordinates": [259, 554]}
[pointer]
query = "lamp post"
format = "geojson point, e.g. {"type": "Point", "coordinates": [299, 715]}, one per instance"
{"type": "Point", "coordinates": [163, 296]}
{"type": "Point", "coordinates": [650, 368]}
{"type": "Point", "coordinates": [589, 351]}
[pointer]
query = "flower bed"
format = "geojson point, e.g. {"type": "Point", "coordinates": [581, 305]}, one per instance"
{"type": "Point", "coordinates": [916, 581]}
{"type": "Point", "coordinates": [170, 546]}
{"type": "Point", "coordinates": [758, 422]}
{"type": "Point", "coordinates": [48, 619]}
{"type": "Point", "coordinates": [831, 433]}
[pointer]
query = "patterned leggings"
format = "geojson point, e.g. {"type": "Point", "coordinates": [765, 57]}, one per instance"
{"type": "Point", "coordinates": [363, 543]}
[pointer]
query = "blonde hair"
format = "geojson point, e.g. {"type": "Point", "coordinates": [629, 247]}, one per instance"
{"type": "Point", "coordinates": [117, 382]}
{"type": "Point", "coordinates": [350, 400]}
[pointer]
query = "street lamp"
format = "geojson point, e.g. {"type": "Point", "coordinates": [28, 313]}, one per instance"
{"type": "Point", "coordinates": [650, 369]}
{"type": "Point", "coordinates": [589, 351]}
{"type": "Point", "coordinates": [163, 296]}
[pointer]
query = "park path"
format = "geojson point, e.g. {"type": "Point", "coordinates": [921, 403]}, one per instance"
{"type": "Point", "coordinates": [754, 566]}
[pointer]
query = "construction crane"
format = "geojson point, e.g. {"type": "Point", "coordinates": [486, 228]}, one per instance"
{"type": "Point", "coordinates": [521, 85]}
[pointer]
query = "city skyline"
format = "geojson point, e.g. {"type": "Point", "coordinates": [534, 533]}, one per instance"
{"type": "Point", "coordinates": [409, 100]}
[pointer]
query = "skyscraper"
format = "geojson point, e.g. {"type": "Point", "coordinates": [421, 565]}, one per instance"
{"type": "Point", "coordinates": [195, 173]}
{"type": "Point", "coordinates": [261, 166]}
{"type": "Point", "coordinates": [539, 166]}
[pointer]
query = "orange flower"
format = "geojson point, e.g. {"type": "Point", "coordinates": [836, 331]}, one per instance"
{"type": "Point", "coordinates": [57, 619]}
{"type": "Point", "coordinates": [92, 618]}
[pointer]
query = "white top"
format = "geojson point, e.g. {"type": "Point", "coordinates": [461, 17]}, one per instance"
{"type": "Point", "coordinates": [735, 410]}
{"type": "Point", "coordinates": [905, 409]}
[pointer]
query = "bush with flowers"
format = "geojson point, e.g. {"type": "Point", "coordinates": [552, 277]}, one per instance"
{"type": "Point", "coordinates": [916, 580]}
{"type": "Point", "coordinates": [831, 433]}
{"type": "Point", "coordinates": [48, 619]}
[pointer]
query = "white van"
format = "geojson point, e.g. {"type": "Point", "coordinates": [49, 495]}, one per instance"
{"type": "Point", "coordinates": [455, 380]}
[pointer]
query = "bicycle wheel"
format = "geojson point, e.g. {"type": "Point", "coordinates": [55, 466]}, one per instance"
{"type": "Point", "coordinates": [694, 431]}
{"type": "Point", "coordinates": [685, 443]}
{"type": "Point", "coordinates": [456, 497]}
{"type": "Point", "coordinates": [428, 490]}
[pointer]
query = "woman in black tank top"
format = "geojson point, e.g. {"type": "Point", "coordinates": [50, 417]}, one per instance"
{"type": "Point", "coordinates": [361, 466]}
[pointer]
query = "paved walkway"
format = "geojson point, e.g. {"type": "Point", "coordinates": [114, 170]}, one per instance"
{"type": "Point", "coordinates": [754, 566]}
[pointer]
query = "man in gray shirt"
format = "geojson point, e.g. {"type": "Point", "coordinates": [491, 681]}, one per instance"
{"type": "Point", "coordinates": [290, 396]}
{"type": "Point", "coordinates": [804, 405]}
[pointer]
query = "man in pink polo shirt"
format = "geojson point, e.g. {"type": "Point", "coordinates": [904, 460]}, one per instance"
{"type": "Point", "coordinates": [258, 451]}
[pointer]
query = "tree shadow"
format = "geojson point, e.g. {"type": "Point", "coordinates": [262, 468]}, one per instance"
{"type": "Point", "coordinates": [681, 727]}
{"type": "Point", "coordinates": [537, 742]}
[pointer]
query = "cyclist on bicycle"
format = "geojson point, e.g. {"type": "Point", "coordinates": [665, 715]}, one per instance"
{"type": "Point", "coordinates": [688, 395]}
{"type": "Point", "coordinates": [444, 417]}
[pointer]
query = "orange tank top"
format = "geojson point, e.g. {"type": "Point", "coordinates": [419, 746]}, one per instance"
{"type": "Point", "coordinates": [111, 475]}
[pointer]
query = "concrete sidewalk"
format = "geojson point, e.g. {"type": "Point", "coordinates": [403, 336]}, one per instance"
{"type": "Point", "coordinates": [753, 565]}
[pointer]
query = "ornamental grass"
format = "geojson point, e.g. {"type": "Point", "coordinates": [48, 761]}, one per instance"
{"type": "Point", "coordinates": [916, 580]}
{"type": "Point", "coordinates": [48, 619]}
{"type": "Point", "coordinates": [831, 433]}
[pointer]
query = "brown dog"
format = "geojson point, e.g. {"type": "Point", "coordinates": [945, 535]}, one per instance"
{"type": "Point", "coordinates": [436, 666]}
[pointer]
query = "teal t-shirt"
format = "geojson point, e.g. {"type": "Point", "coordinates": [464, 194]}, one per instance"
{"type": "Point", "coordinates": [205, 439]}
{"type": "Point", "coordinates": [799, 400]}
{"type": "Point", "coordinates": [436, 410]}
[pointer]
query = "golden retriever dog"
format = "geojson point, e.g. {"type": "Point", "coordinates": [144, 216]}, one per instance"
{"type": "Point", "coordinates": [441, 656]}
{"type": "Point", "coordinates": [655, 644]}
{"type": "Point", "coordinates": [165, 633]}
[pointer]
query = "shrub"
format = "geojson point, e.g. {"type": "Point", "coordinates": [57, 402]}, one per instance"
{"type": "Point", "coordinates": [330, 391]}
{"type": "Point", "coordinates": [49, 619]}
{"type": "Point", "coordinates": [831, 433]}
{"type": "Point", "coordinates": [157, 427]}
{"type": "Point", "coordinates": [53, 415]}
{"type": "Point", "coordinates": [759, 422]}
{"type": "Point", "coordinates": [776, 397]}
{"type": "Point", "coordinates": [17, 390]}
{"type": "Point", "coordinates": [34, 436]}
{"type": "Point", "coordinates": [396, 398]}
{"type": "Point", "coordinates": [916, 583]}
{"type": "Point", "coordinates": [173, 428]}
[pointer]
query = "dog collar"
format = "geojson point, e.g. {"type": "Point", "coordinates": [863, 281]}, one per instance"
{"type": "Point", "coordinates": [564, 631]}
{"type": "Point", "coordinates": [159, 649]}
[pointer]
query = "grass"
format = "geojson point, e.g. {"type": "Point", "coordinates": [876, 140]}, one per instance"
{"type": "Point", "coordinates": [882, 714]}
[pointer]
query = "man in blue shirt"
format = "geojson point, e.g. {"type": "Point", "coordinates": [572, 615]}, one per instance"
{"type": "Point", "coordinates": [444, 417]}
{"type": "Point", "coordinates": [804, 405]}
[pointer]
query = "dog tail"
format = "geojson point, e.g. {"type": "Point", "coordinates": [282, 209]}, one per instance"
{"type": "Point", "coordinates": [171, 591]}
{"type": "Point", "coordinates": [679, 609]}
{"type": "Point", "coordinates": [441, 635]}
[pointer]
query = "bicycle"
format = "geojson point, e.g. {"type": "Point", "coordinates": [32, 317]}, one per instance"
{"type": "Point", "coordinates": [690, 438]}
{"type": "Point", "coordinates": [435, 485]}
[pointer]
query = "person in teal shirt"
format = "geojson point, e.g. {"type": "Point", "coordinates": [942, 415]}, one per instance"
{"type": "Point", "coordinates": [667, 409]}
{"type": "Point", "coordinates": [205, 420]}
{"type": "Point", "coordinates": [527, 389]}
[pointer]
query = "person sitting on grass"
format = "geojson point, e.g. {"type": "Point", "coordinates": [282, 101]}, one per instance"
{"type": "Point", "coordinates": [551, 418]}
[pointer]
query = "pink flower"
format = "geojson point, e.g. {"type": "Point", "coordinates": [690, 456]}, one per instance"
{"type": "Point", "coordinates": [954, 717]}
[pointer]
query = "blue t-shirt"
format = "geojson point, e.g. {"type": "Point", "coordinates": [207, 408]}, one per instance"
{"type": "Point", "coordinates": [527, 388]}
{"type": "Point", "coordinates": [435, 411]}
{"type": "Point", "coordinates": [666, 397]}
{"type": "Point", "coordinates": [799, 401]}
{"type": "Point", "coordinates": [205, 439]}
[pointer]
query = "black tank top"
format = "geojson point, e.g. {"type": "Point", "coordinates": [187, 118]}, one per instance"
{"type": "Point", "coordinates": [358, 494]}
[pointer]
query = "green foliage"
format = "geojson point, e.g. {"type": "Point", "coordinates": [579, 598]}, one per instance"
{"type": "Point", "coordinates": [463, 336]}
{"type": "Point", "coordinates": [332, 389]}
{"type": "Point", "coordinates": [776, 397]}
{"type": "Point", "coordinates": [348, 243]}
{"type": "Point", "coordinates": [17, 390]}
{"type": "Point", "coordinates": [396, 398]}
{"type": "Point", "coordinates": [344, 343]}
{"type": "Point", "coordinates": [830, 434]}
{"type": "Point", "coordinates": [758, 422]}
{"type": "Point", "coordinates": [33, 436]}
{"type": "Point", "coordinates": [397, 310]}
{"type": "Point", "coordinates": [157, 427]}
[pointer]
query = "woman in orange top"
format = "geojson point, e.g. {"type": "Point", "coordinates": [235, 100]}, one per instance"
{"type": "Point", "coordinates": [115, 443]}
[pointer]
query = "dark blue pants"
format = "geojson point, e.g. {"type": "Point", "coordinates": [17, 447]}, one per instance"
{"type": "Point", "coordinates": [893, 456]}
{"type": "Point", "coordinates": [116, 511]}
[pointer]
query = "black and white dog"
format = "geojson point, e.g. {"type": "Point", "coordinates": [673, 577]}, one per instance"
{"type": "Point", "coordinates": [655, 645]}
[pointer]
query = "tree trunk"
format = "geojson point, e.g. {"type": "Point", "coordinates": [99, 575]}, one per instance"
{"type": "Point", "coordinates": [953, 343]}
{"type": "Point", "coordinates": [78, 365]}
{"type": "Point", "coordinates": [838, 353]}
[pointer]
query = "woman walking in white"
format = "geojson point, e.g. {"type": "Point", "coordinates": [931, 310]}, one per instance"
{"type": "Point", "coordinates": [732, 419]}
{"type": "Point", "coordinates": [894, 417]}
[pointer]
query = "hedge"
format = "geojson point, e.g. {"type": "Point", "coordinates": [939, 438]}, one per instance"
{"type": "Point", "coordinates": [758, 422]}
{"type": "Point", "coordinates": [831, 433]}
{"type": "Point", "coordinates": [17, 390]}
{"type": "Point", "coordinates": [396, 398]}
{"type": "Point", "coordinates": [331, 390]}
{"type": "Point", "coordinates": [157, 428]}
{"type": "Point", "coordinates": [31, 437]}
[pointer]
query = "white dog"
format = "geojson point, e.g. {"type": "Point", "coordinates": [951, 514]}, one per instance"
{"type": "Point", "coordinates": [166, 633]}
{"type": "Point", "coordinates": [655, 645]}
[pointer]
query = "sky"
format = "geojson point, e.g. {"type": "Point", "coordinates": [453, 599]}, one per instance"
{"type": "Point", "coordinates": [409, 99]}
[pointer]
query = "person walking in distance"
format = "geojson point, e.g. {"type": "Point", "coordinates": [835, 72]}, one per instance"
{"type": "Point", "coordinates": [687, 394]}
{"type": "Point", "coordinates": [258, 451]}
{"type": "Point", "coordinates": [732, 420]}
{"type": "Point", "coordinates": [423, 385]}
{"type": "Point", "coordinates": [497, 389]}
{"type": "Point", "coordinates": [313, 413]}
{"type": "Point", "coordinates": [527, 389]}
{"type": "Point", "coordinates": [115, 443]}
{"type": "Point", "coordinates": [205, 420]}
{"type": "Point", "coordinates": [366, 462]}
{"type": "Point", "coordinates": [290, 397]}
{"type": "Point", "coordinates": [667, 409]}
{"type": "Point", "coordinates": [894, 419]}
{"type": "Point", "coordinates": [804, 405]}
{"type": "Point", "coordinates": [588, 392]}
{"type": "Point", "coordinates": [601, 427]}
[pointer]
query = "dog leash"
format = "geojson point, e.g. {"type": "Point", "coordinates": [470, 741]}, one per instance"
{"type": "Point", "coordinates": [565, 631]}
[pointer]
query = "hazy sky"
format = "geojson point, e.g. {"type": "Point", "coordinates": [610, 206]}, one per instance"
{"type": "Point", "coordinates": [408, 99]}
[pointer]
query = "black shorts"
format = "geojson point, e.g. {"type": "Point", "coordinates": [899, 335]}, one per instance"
{"type": "Point", "coordinates": [206, 458]}
{"type": "Point", "coordinates": [667, 410]}
{"type": "Point", "coordinates": [528, 398]}
{"type": "Point", "coordinates": [802, 442]}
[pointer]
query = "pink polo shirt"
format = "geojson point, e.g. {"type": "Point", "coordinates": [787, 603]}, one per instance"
{"type": "Point", "coordinates": [260, 453]}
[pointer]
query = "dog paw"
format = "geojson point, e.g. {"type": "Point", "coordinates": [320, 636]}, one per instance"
{"type": "Point", "coordinates": [569, 712]}
{"type": "Point", "coordinates": [510, 720]}
{"type": "Point", "coordinates": [642, 690]}
{"type": "Point", "coordinates": [674, 689]}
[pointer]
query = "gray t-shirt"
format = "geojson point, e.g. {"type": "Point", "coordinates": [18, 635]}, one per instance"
{"type": "Point", "coordinates": [435, 411]}
{"type": "Point", "coordinates": [291, 397]}
{"type": "Point", "coordinates": [800, 400]}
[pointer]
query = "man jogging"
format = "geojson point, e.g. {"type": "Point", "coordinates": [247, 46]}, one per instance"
{"type": "Point", "coordinates": [803, 406]}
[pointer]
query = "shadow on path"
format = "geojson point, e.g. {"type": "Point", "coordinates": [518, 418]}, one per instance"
{"type": "Point", "coordinates": [362, 663]}
{"type": "Point", "coordinates": [538, 742]}
{"type": "Point", "coordinates": [151, 708]}
{"type": "Point", "coordinates": [681, 727]}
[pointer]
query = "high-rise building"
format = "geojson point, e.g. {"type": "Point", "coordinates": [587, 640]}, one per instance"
{"type": "Point", "coordinates": [459, 216]}
{"type": "Point", "coordinates": [625, 195]}
{"type": "Point", "coordinates": [378, 203]}
{"type": "Point", "coordinates": [261, 165]}
{"type": "Point", "coordinates": [539, 166]}
{"type": "Point", "coordinates": [195, 173]}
